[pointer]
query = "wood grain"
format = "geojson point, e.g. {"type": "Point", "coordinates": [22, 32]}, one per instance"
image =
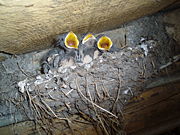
{"type": "Point", "coordinates": [154, 111]}
{"type": "Point", "coordinates": [31, 25]}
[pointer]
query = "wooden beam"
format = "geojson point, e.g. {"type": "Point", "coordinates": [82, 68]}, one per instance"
{"type": "Point", "coordinates": [154, 111]}
{"type": "Point", "coordinates": [81, 127]}
{"type": "Point", "coordinates": [32, 24]}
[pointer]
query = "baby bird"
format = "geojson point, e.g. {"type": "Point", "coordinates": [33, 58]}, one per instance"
{"type": "Point", "coordinates": [104, 43]}
{"type": "Point", "coordinates": [66, 48]}
{"type": "Point", "coordinates": [87, 48]}
{"type": "Point", "coordinates": [68, 41]}
{"type": "Point", "coordinates": [52, 59]}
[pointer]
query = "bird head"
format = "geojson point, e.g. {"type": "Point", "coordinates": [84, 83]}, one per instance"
{"type": "Point", "coordinates": [88, 38]}
{"type": "Point", "coordinates": [87, 47]}
{"type": "Point", "coordinates": [71, 40]}
{"type": "Point", "coordinates": [67, 41]}
{"type": "Point", "coordinates": [104, 43]}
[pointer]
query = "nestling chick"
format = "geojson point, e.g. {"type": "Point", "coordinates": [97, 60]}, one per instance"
{"type": "Point", "coordinates": [105, 43]}
{"type": "Point", "coordinates": [87, 48]}
{"type": "Point", "coordinates": [66, 48]}
{"type": "Point", "coordinates": [52, 59]}
{"type": "Point", "coordinates": [68, 41]}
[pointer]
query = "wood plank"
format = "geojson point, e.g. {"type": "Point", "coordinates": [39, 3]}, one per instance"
{"type": "Point", "coordinates": [154, 111]}
{"type": "Point", "coordinates": [31, 25]}
{"type": "Point", "coordinates": [57, 128]}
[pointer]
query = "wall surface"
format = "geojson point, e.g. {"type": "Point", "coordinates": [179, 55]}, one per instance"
{"type": "Point", "coordinates": [31, 25]}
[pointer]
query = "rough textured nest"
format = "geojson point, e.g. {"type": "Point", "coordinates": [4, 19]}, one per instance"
{"type": "Point", "coordinates": [98, 89]}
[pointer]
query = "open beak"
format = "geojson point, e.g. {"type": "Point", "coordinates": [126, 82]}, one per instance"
{"type": "Point", "coordinates": [104, 43]}
{"type": "Point", "coordinates": [71, 40]}
{"type": "Point", "coordinates": [88, 37]}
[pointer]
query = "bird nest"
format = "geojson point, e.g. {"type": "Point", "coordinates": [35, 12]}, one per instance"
{"type": "Point", "coordinates": [96, 91]}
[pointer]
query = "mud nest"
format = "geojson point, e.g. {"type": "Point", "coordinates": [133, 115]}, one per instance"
{"type": "Point", "coordinates": [96, 91]}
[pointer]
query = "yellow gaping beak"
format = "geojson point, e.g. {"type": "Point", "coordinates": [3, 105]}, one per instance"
{"type": "Point", "coordinates": [71, 40]}
{"type": "Point", "coordinates": [104, 43]}
{"type": "Point", "coordinates": [87, 37]}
